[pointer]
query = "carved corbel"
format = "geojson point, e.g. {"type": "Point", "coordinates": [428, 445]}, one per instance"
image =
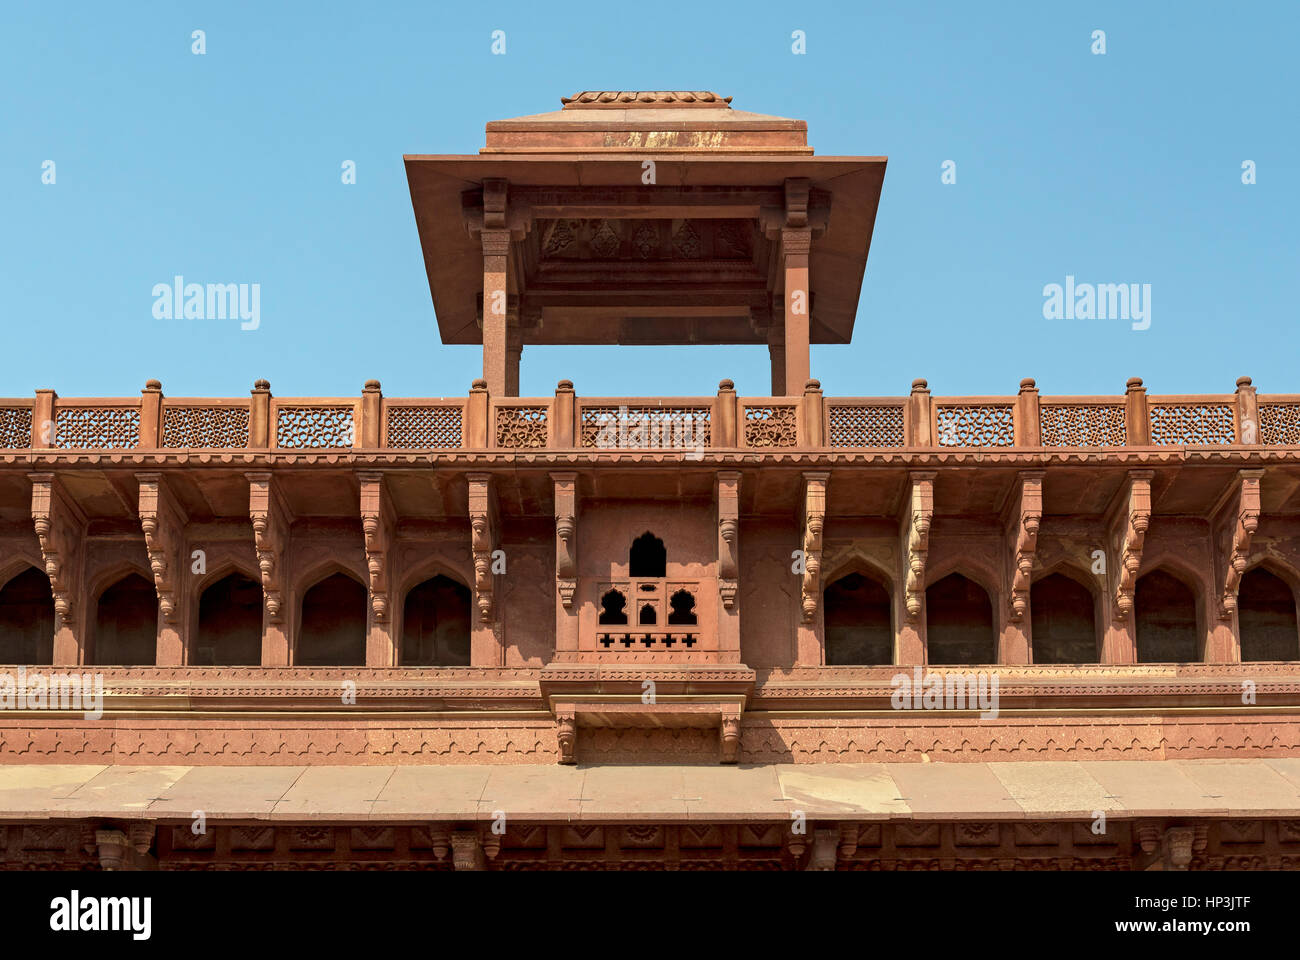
{"type": "Point", "coordinates": [566, 728]}
{"type": "Point", "coordinates": [271, 519]}
{"type": "Point", "coordinates": [1026, 515]}
{"type": "Point", "coordinates": [483, 542]}
{"type": "Point", "coordinates": [813, 521]}
{"type": "Point", "coordinates": [60, 528]}
{"type": "Point", "coordinates": [467, 850]}
{"type": "Point", "coordinates": [730, 736]}
{"type": "Point", "coordinates": [377, 522]}
{"type": "Point", "coordinates": [566, 536]}
{"type": "Point", "coordinates": [163, 523]}
{"type": "Point", "coordinates": [1235, 518]}
{"type": "Point", "coordinates": [916, 539]}
{"type": "Point", "coordinates": [728, 495]}
{"type": "Point", "coordinates": [1129, 529]}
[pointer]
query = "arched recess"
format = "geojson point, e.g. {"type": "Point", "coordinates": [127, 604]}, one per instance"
{"type": "Point", "coordinates": [125, 631]}
{"type": "Point", "coordinates": [1166, 614]}
{"type": "Point", "coordinates": [858, 618]}
{"type": "Point", "coordinates": [648, 557]}
{"type": "Point", "coordinates": [436, 624]}
{"type": "Point", "coordinates": [959, 622]}
{"type": "Point", "coordinates": [332, 623]}
{"type": "Point", "coordinates": [1266, 616]}
{"type": "Point", "coordinates": [1064, 621]}
{"type": "Point", "coordinates": [26, 618]}
{"type": "Point", "coordinates": [228, 620]}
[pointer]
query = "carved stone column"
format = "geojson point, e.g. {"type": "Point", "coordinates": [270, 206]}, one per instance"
{"type": "Point", "coordinates": [727, 492]}
{"type": "Point", "coordinates": [812, 519]}
{"type": "Point", "coordinates": [486, 637]}
{"type": "Point", "coordinates": [163, 523]}
{"type": "Point", "coordinates": [61, 530]}
{"type": "Point", "coordinates": [914, 525]}
{"type": "Point", "coordinates": [271, 519]}
{"type": "Point", "coordinates": [495, 239]}
{"type": "Point", "coordinates": [566, 560]}
{"type": "Point", "coordinates": [796, 246]}
{"type": "Point", "coordinates": [1024, 514]}
{"type": "Point", "coordinates": [1126, 528]}
{"type": "Point", "coordinates": [377, 524]}
{"type": "Point", "coordinates": [1234, 521]}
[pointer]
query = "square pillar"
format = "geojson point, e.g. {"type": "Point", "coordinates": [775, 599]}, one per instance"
{"type": "Point", "coordinates": [495, 239]}
{"type": "Point", "coordinates": [796, 243]}
{"type": "Point", "coordinates": [776, 353]}
{"type": "Point", "coordinates": [514, 350]}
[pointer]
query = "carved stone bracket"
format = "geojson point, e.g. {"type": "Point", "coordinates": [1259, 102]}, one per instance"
{"type": "Point", "coordinates": [566, 730]}
{"type": "Point", "coordinates": [566, 536]}
{"type": "Point", "coordinates": [1128, 531]}
{"type": "Point", "coordinates": [1236, 518]}
{"type": "Point", "coordinates": [916, 540]}
{"type": "Point", "coordinates": [728, 495]}
{"type": "Point", "coordinates": [377, 522]}
{"type": "Point", "coordinates": [1026, 515]}
{"type": "Point", "coordinates": [163, 523]}
{"type": "Point", "coordinates": [467, 850]}
{"type": "Point", "coordinates": [812, 522]}
{"type": "Point", "coordinates": [271, 519]}
{"type": "Point", "coordinates": [60, 528]}
{"type": "Point", "coordinates": [730, 735]}
{"type": "Point", "coordinates": [483, 542]}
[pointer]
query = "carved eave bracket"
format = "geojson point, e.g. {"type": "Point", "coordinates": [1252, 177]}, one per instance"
{"type": "Point", "coordinates": [60, 529]}
{"type": "Point", "coordinates": [377, 523]}
{"type": "Point", "coordinates": [566, 536]}
{"type": "Point", "coordinates": [1236, 518]}
{"type": "Point", "coordinates": [1026, 516]}
{"type": "Point", "coordinates": [271, 519]}
{"type": "Point", "coordinates": [163, 523]}
{"type": "Point", "coordinates": [812, 522]}
{"type": "Point", "coordinates": [916, 540]}
{"type": "Point", "coordinates": [1128, 529]}
{"type": "Point", "coordinates": [484, 530]}
{"type": "Point", "coordinates": [728, 496]}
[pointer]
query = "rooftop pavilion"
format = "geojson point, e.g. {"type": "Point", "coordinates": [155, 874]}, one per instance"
{"type": "Point", "coordinates": [645, 217]}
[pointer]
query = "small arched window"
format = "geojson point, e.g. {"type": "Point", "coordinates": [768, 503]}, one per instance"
{"type": "Point", "coordinates": [646, 617]}
{"type": "Point", "coordinates": [683, 611]}
{"type": "Point", "coordinates": [613, 608]}
{"type": "Point", "coordinates": [648, 557]}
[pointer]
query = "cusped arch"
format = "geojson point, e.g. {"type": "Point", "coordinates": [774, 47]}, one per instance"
{"type": "Point", "coordinates": [974, 570]}
{"type": "Point", "coordinates": [1164, 632]}
{"type": "Point", "coordinates": [862, 564]}
{"type": "Point", "coordinates": [17, 561]}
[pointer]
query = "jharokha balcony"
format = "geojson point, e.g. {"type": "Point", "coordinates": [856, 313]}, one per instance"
{"type": "Point", "coordinates": [496, 579]}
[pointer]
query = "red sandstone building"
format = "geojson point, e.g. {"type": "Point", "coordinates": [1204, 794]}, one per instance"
{"type": "Point", "coordinates": [654, 632]}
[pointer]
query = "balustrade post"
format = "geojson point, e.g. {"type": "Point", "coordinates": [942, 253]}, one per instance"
{"type": "Point", "coordinates": [564, 427]}
{"type": "Point", "coordinates": [259, 416]}
{"type": "Point", "coordinates": [723, 433]}
{"type": "Point", "coordinates": [43, 419]}
{"type": "Point", "coordinates": [1027, 429]}
{"type": "Point", "coordinates": [476, 416]}
{"type": "Point", "coordinates": [810, 416]}
{"type": "Point", "coordinates": [1137, 419]}
{"type": "Point", "coordinates": [1247, 419]}
{"type": "Point", "coordinates": [151, 398]}
{"type": "Point", "coordinates": [918, 433]}
{"type": "Point", "coordinates": [370, 431]}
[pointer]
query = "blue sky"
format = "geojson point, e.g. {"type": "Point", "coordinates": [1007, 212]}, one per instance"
{"type": "Point", "coordinates": [1119, 168]}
